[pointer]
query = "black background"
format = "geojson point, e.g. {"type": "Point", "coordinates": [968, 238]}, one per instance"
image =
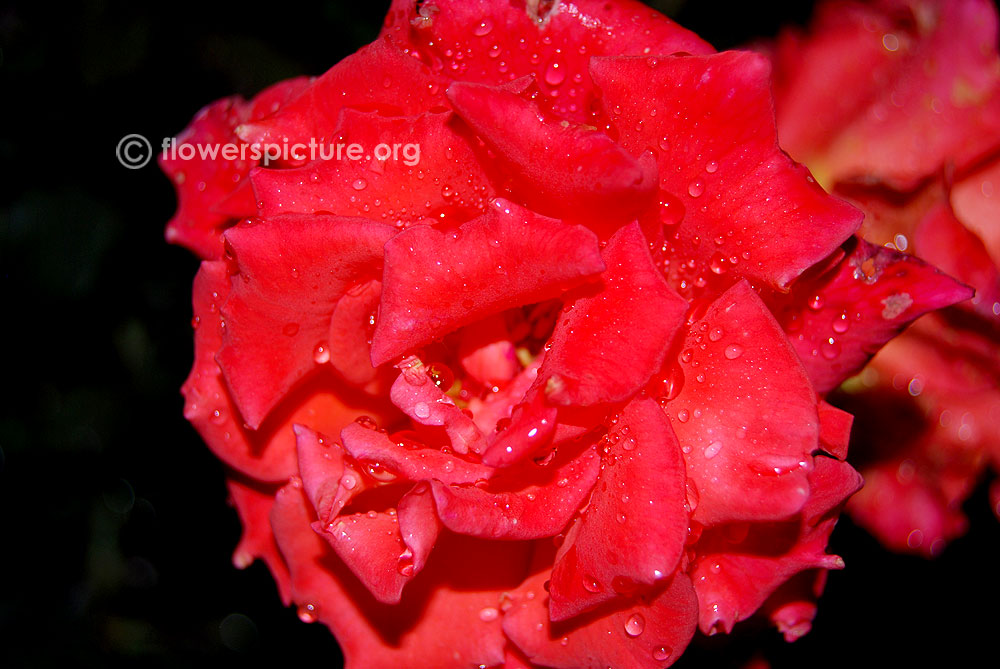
{"type": "Point", "coordinates": [115, 533]}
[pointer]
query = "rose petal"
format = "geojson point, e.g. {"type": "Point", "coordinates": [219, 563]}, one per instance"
{"type": "Point", "coordinates": [379, 77]}
{"type": "Point", "coordinates": [474, 41]}
{"type": "Point", "coordinates": [439, 621]}
{"type": "Point", "coordinates": [642, 634]}
{"type": "Point", "coordinates": [532, 427]}
{"type": "Point", "coordinates": [253, 503]}
{"type": "Point", "coordinates": [523, 503]}
{"type": "Point", "coordinates": [266, 454]}
{"type": "Point", "coordinates": [408, 169]}
{"type": "Point", "coordinates": [750, 211]}
{"type": "Point", "coordinates": [792, 607]}
{"type": "Point", "coordinates": [414, 464]}
{"type": "Point", "coordinates": [612, 340]}
{"type": "Point", "coordinates": [292, 272]}
{"type": "Point", "coordinates": [561, 170]}
{"type": "Point", "coordinates": [976, 200]}
{"type": "Point", "coordinates": [211, 192]}
{"type": "Point", "coordinates": [733, 576]}
{"type": "Point", "coordinates": [836, 321]}
{"type": "Point", "coordinates": [487, 353]}
{"type": "Point", "coordinates": [748, 446]}
{"type": "Point", "coordinates": [436, 282]}
{"type": "Point", "coordinates": [421, 400]}
{"type": "Point", "coordinates": [834, 430]}
{"type": "Point", "coordinates": [639, 500]}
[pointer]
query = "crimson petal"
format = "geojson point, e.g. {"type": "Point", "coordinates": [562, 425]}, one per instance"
{"type": "Point", "coordinates": [421, 400]}
{"type": "Point", "coordinates": [473, 41]}
{"type": "Point", "coordinates": [748, 446]}
{"type": "Point", "coordinates": [292, 272]}
{"type": "Point", "coordinates": [609, 343]}
{"type": "Point", "coordinates": [639, 500]}
{"type": "Point", "coordinates": [751, 211]}
{"type": "Point", "coordinates": [566, 171]}
{"type": "Point", "coordinates": [439, 621]}
{"type": "Point", "coordinates": [379, 77]}
{"type": "Point", "coordinates": [646, 633]}
{"type": "Point", "coordinates": [425, 170]}
{"type": "Point", "coordinates": [838, 320]}
{"type": "Point", "coordinates": [522, 505]}
{"type": "Point", "coordinates": [419, 464]}
{"type": "Point", "coordinates": [437, 281]}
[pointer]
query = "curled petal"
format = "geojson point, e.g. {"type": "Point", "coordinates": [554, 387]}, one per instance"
{"type": "Point", "coordinates": [292, 271]}
{"type": "Point", "coordinates": [421, 400]}
{"type": "Point", "coordinates": [561, 170]}
{"type": "Point", "coordinates": [748, 447]}
{"type": "Point", "coordinates": [528, 503]}
{"type": "Point", "coordinates": [413, 464]}
{"type": "Point", "coordinates": [642, 479]}
{"type": "Point", "coordinates": [750, 211]}
{"type": "Point", "coordinates": [437, 281]}
{"type": "Point", "coordinates": [612, 339]}
{"type": "Point", "coordinates": [650, 631]}
{"type": "Point", "coordinates": [838, 320]}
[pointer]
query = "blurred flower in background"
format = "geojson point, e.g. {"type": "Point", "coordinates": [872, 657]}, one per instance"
{"type": "Point", "coordinates": [895, 107]}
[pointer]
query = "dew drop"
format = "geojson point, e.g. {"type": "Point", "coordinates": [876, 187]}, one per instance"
{"type": "Point", "coordinates": [733, 351]}
{"type": "Point", "coordinates": [489, 614]}
{"type": "Point", "coordinates": [307, 613]}
{"type": "Point", "coordinates": [683, 415]}
{"type": "Point", "coordinates": [590, 584]}
{"type": "Point", "coordinates": [713, 449]}
{"type": "Point", "coordinates": [662, 653]}
{"type": "Point", "coordinates": [711, 167]}
{"type": "Point", "coordinates": [840, 324]}
{"type": "Point", "coordinates": [359, 184]}
{"type": "Point", "coordinates": [483, 28]}
{"type": "Point", "coordinates": [830, 349]}
{"type": "Point", "coordinates": [715, 334]}
{"type": "Point", "coordinates": [555, 74]}
{"type": "Point", "coordinates": [366, 422]}
{"type": "Point", "coordinates": [696, 188]}
{"type": "Point", "coordinates": [635, 624]}
{"type": "Point", "coordinates": [816, 303]}
{"type": "Point", "coordinates": [421, 410]}
{"type": "Point", "coordinates": [321, 354]}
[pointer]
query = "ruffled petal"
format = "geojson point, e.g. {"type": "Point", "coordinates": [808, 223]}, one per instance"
{"type": "Point", "coordinates": [492, 43]}
{"type": "Point", "coordinates": [739, 567]}
{"type": "Point", "coordinates": [253, 503]}
{"type": "Point", "coordinates": [527, 502]}
{"type": "Point", "coordinates": [268, 453]}
{"type": "Point", "coordinates": [291, 272]}
{"type": "Point", "coordinates": [212, 192]}
{"type": "Point", "coordinates": [420, 399]}
{"type": "Point", "coordinates": [440, 619]}
{"type": "Point", "coordinates": [409, 460]}
{"type": "Point", "coordinates": [838, 320]}
{"type": "Point", "coordinates": [566, 171]}
{"type": "Point", "coordinates": [406, 170]}
{"type": "Point", "coordinates": [437, 281]}
{"type": "Point", "coordinates": [612, 339]}
{"type": "Point", "coordinates": [639, 499]}
{"type": "Point", "coordinates": [648, 631]}
{"type": "Point", "coordinates": [748, 446]}
{"type": "Point", "coordinates": [750, 211]}
{"type": "Point", "coordinates": [379, 77]}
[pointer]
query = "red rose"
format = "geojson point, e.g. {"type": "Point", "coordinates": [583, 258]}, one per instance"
{"type": "Point", "coordinates": [915, 142]}
{"type": "Point", "coordinates": [527, 402]}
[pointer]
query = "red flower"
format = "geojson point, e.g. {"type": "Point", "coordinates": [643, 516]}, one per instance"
{"type": "Point", "coordinates": [524, 402]}
{"type": "Point", "coordinates": [914, 140]}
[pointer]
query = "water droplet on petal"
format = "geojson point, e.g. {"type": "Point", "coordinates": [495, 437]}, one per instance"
{"type": "Point", "coordinates": [733, 351]}
{"type": "Point", "coordinates": [489, 614]}
{"type": "Point", "coordinates": [711, 167]}
{"type": "Point", "coordinates": [713, 449]}
{"type": "Point", "coordinates": [635, 624]}
{"type": "Point", "coordinates": [683, 415]}
{"type": "Point", "coordinates": [421, 410]}
{"type": "Point", "coordinates": [662, 653]}
{"type": "Point", "coordinates": [359, 184]}
{"type": "Point", "coordinates": [590, 584]}
{"type": "Point", "coordinates": [483, 28]}
{"type": "Point", "coordinates": [321, 354]}
{"type": "Point", "coordinates": [307, 613]}
{"type": "Point", "coordinates": [555, 74]}
{"type": "Point", "coordinates": [696, 188]}
{"type": "Point", "coordinates": [715, 334]}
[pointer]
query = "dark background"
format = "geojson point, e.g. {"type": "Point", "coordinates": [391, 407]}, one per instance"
{"type": "Point", "coordinates": [115, 533]}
